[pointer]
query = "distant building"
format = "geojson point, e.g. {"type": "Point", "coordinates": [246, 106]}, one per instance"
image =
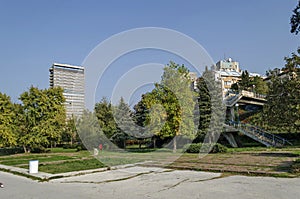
{"type": "Point", "coordinates": [228, 72]}
{"type": "Point", "coordinates": [71, 79]}
{"type": "Point", "coordinates": [281, 74]}
{"type": "Point", "coordinates": [193, 77]}
{"type": "Point", "coordinates": [228, 65]}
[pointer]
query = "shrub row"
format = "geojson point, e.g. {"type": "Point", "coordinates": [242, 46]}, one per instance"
{"type": "Point", "coordinates": [9, 151]}
{"type": "Point", "coordinates": [296, 166]}
{"type": "Point", "coordinates": [78, 146]}
{"type": "Point", "coordinates": [204, 147]}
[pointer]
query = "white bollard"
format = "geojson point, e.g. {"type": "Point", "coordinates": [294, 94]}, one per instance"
{"type": "Point", "coordinates": [33, 166]}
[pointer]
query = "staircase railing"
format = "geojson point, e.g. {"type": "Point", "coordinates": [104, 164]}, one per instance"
{"type": "Point", "coordinates": [260, 135]}
{"type": "Point", "coordinates": [233, 100]}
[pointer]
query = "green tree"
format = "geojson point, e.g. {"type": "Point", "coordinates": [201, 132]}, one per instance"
{"type": "Point", "coordinates": [245, 82]}
{"type": "Point", "coordinates": [176, 109]}
{"type": "Point", "coordinates": [295, 20]}
{"type": "Point", "coordinates": [70, 134]}
{"type": "Point", "coordinates": [282, 111]}
{"type": "Point", "coordinates": [259, 85]}
{"type": "Point", "coordinates": [126, 127]}
{"type": "Point", "coordinates": [104, 113]}
{"type": "Point", "coordinates": [8, 135]}
{"type": "Point", "coordinates": [253, 84]}
{"type": "Point", "coordinates": [150, 115]}
{"type": "Point", "coordinates": [211, 108]}
{"type": "Point", "coordinates": [90, 131]}
{"type": "Point", "coordinates": [44, 116]}
{"type": "Point", "coordinates": [204, 101]}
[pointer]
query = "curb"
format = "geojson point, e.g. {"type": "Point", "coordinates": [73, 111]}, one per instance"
{"type": "Point", "coordinates": [42, 176]}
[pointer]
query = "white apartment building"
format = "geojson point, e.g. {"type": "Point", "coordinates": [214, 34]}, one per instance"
{"type": "Point", "coordinates": [71, 79]}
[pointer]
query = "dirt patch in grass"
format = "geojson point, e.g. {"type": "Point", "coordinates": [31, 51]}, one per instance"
{"type": "Point", "coordinates": [260, 163]}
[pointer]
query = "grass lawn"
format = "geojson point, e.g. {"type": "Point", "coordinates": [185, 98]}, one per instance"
{"type": "Point", "coordinates": [254, 160]}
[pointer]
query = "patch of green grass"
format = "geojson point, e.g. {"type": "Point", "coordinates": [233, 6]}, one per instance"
{"type": "Point", "coordinates": [69, 166]}
{"type": "Point", "coordinates": [119, 160]}
{"type": "Point", "coordinates": [62, 150]}
{"type": "Point", "coordinates": [295, 167]}
{"type": "Point", "coordinates": [25, 160]}
{"type": "Point", "coordinates": [250, 149]}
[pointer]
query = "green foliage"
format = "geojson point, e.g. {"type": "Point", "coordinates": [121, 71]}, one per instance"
{"type": "Point", "coordinates": [7, 126]}
{"type": "Point", "coordinates": [104, 113]}
{"type": "Point", "coordinates": [119, 139]}
{"type": "Point", "coordinates": [211, 108]}
{"type": "Point", "coordinates": [11, 150]}
{"type": "Point", "coordinates": [253, 84]}
{"type": "Point", "coordinates": [295, 20]}
{"type": "Point", "coordinates": [282, 110]}
{"type": "Point", "coordinates": [124, 118]}
{"type": "Point", "coordinates": [167, 111]}
{"type": "Point", "coordinates": [196, 148]}
{"type": "Point", "coordinates": [259, 85]}
{"type": "Point", "coordinates": [295, 168]}
{"type": "Point", "coordinates": [89, 130]}
{"type": "Point", "coordinates": [204, 101]}
{"type": "Point", "coordinates": [70, 133]}
{"type": "Point", "coordinates": [244, 83]}
{"type": "Point", "coordinates": [43, 117]}
{"type": "Point", "coordinates": [126, 127]}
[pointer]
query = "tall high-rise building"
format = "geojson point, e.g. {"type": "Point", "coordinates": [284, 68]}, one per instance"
{"type": "Point", "coordinates": [71, 79]}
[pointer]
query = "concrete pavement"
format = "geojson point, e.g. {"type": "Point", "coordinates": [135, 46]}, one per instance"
{"type": "Point", "coordinates": [149, 182]}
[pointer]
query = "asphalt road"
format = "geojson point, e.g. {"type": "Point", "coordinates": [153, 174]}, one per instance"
{"type": "Point", "coordinates": [141, 182]}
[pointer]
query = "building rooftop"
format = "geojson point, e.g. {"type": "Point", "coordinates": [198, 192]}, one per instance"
{"type": "Point", "coordinates": [229, 73]}
{"type": "Point", "coordinates": [67, 66]}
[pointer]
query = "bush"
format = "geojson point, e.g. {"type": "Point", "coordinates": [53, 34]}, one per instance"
{"type": "Point", "coordinates": [196, 147]}
{"type": "Point", "coordinates": [296, 166]}
{"type": "Point", "coordinates": [80, 147]}
{"type": "Point", "coordinates": [9, 151]}
{"type": "Point", "coordinates": [70, 146]}
{"type": "Point", "coordinates": [40, 149]}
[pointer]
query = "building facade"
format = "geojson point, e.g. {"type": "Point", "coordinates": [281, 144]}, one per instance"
{"type": "Point", "coordinates": [228, 72]}
{"type": "Point", "coordinates": [71, 79]}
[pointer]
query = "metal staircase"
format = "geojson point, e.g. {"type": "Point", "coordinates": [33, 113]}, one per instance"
{"type": "Point", "coordinates": [231, 101]}
{"type": "Point", "coordinates": [260, 135]}
{"type": "Point", "coordinates": [253, 98]}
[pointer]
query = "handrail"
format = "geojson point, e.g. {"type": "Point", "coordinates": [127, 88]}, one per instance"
{"type": "Point", "coordinates": [259, 134]}
{"type": "Point", "coordinates": [230, 101]}
{"type": "Point", "coordinates": [233, 99]}
{"type": "Point", "coordinates": [253, 94]}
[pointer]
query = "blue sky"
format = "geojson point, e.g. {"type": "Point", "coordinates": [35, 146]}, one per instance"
{"type": "Point", "coordinates": [34, 34]}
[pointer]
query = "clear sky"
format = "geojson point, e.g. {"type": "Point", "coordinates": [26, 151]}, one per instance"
{"type": "Point", "coordinates": [34, 34]}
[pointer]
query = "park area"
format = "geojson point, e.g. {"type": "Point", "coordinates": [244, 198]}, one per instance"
{"type": "Point", "coordinates": [260, 161]}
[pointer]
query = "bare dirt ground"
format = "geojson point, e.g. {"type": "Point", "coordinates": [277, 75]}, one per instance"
{"type": "Point", "coordinates": [275, 163]}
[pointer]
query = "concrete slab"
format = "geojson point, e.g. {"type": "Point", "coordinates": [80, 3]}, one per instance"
{"type": "Point", "coordinates": [140, 182]}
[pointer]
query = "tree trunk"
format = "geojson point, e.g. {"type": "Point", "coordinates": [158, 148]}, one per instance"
{"type": "Point", "coordinates": [25, 149]}
{"type": "Point", "coordinates": [175, 144]}
{"type": "Point", "coordinates": [154, 142]}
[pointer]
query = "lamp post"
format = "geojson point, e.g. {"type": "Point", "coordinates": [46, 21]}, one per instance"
{"type": "Point", "coordinates": [237, 113]}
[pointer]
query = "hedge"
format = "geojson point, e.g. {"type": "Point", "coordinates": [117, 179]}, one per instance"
{"type": "Point", "coordinates": [195, 148]}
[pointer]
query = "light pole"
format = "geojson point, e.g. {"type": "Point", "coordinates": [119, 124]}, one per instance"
{"type": "Point", "coordinates": [237, 113]}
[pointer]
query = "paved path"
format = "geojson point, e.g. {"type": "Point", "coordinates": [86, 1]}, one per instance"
{"type": "Point", "coordinates": [141, 182]}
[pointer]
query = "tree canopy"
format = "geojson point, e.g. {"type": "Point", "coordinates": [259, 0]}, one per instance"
{"type": "Point", "coordinates": [295, 20]}
{"type": "Point", "coordinates": [44, 117]}
{"type": "Point", "coordinates": [8, 136]}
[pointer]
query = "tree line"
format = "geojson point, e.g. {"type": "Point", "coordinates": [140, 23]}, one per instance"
{"type": "Point", "coordinates": [169, 112]}
{"type": "Point", "coordinates": [172, 113]}
{"type": "Point", "coordinates": [38, 121]}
